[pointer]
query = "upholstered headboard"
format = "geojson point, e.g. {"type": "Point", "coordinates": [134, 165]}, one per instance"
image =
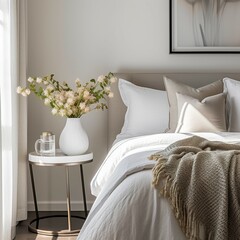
{"type": "Point", "coordinates": [117, 109]}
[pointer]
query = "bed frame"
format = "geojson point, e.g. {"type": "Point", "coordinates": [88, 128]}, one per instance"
{"type": "Point", "coordinates": [117, 109]}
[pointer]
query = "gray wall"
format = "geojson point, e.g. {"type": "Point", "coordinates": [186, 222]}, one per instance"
{"type": "Point", "coordinates": [86, 38]}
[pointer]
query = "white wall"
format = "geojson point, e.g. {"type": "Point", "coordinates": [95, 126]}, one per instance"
{"type": "Point", "coordinates": [86, 38]}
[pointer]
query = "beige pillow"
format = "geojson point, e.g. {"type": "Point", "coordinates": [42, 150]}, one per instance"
{"type": "Point", "coordinates": [172, 87]}
{"type": "Point", "coordinates": [207, 115]}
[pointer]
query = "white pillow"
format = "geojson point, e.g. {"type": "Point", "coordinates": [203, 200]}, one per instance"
{"type": "Point", "coordinates": [147, 110]}
{"type": "Point", "coordinates": [232, 88]}
{"type": "Point", "coordinates": [207, 115]}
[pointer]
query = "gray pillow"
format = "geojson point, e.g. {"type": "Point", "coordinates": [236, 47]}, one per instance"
{"type": "Point", "coordinates": [207, 115]}
{"type": "Point", "coordinates": [172, 87]}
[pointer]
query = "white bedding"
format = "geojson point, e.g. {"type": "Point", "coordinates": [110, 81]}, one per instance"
{"type": "Point", "coordinates": [127, 206]}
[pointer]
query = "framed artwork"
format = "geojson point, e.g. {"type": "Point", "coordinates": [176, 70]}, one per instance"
{"type": "Point", "coordinates": [204, 26]}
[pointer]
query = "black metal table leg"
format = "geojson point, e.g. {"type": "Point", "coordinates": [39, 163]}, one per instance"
{"type": "Point", "coordinates": [34, 194]}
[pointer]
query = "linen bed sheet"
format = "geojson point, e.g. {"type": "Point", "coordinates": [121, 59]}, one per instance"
{"type": "Point", "coordinates": [127, 206]}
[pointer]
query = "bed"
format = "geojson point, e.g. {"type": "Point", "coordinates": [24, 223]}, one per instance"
{"type": "Point", "coordinates": [127, 205]}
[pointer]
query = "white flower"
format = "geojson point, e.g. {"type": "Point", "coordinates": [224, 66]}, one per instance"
{"type": "Point", "coordinates": [66, 105]}
{"type": "Point", "coordinates": [82, 106]}
{"type": "Point", "coordinates": [113, 79]}
{"type": "Point", "coordinates": [77, 81]}
{"type": "Point", "coordinates": [57, 95]}
{"type": "Point", "coordinates": [110, 95]}
{"type": "Point", "coordinates": [24, 93]}
{"type": "Point", "coordinates": [69, 94]}
{"type": "Point", "coordinates": [50, 88]}
{"type": "Point", "coordinates": [59, 103]}
{"type": "Point", "coordinates": [107, 89]}
{"type": "Point", "coordinates": [62, 98]}
{"type": "Point", "coordinates": [54, 111]}
{"type": "Point", "coordinates": [47, 101]}
{"type": "Point", "coordinates": [86, 94]}
{"type": "Point", "coordinates": [70, 101]}
{"type": "Point", "coordinates": [46, 92]}
{"type": "Point", "coordinates": [39, 80]}
{"type": "Point", "coordinates": [30, 79]}
{"type": "Point", "coordinates": [62, 112]}
{"type": "Point", "coordinates": [101, 78]}
{"type": "Point", "coordinates": [19, 89]}
{"type": "Point", "coordinates": [27, 91]}
{"type": "Point", "coordinates": [45, 82]}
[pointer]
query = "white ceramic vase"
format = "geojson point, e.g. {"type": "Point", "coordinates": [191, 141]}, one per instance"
{"type": "Point", "coordinates": [73, 139]}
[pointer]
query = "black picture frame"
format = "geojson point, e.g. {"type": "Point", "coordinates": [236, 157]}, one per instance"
{"type": "Point", "coordinates": [174, 49]}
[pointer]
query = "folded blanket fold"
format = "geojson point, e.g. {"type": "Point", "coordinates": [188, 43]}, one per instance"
{"type": "Point", "coordinates": [201, 179]}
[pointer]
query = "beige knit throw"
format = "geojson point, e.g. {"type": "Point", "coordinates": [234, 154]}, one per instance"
{"type": "Point", "coordinates": [201, 179]}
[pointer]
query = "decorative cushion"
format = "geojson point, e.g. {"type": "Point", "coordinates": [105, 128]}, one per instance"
{"type": "Point", "coordinates": [147, 110]}
{"type": "Point", "coordinates": [207, 115]}
{"type": "Point", "coordinates": [173, 87]}
{"type": "Point", "coordinates": [232, 89]}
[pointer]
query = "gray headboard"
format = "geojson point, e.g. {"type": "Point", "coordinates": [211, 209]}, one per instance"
{"type": "Point", "coordinates": [117, 109]}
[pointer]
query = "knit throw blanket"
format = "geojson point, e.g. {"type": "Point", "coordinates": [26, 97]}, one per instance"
{"type": "Point", "coordinates": [201, 180]}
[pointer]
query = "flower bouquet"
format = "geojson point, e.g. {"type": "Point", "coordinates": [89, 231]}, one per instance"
{"type": "Point", "coordinates": [67, 102]}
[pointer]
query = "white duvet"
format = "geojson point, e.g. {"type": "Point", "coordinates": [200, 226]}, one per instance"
{"type": "Point", "coordinates": [127, 206]}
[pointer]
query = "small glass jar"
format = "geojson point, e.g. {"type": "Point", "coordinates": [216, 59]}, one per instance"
{"type": "Point", "coordinates": [46, 144]}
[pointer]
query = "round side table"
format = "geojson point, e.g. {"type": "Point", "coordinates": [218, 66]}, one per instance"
{"type": "Point", "coordinates": [59, 159]}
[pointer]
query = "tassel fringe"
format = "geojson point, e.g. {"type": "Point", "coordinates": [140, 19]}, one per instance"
{"type": "Point", "coordinates": [169, 189]}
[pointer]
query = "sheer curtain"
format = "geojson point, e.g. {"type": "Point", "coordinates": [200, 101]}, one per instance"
{"type": "Point", "coordinates": [13, 132]}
